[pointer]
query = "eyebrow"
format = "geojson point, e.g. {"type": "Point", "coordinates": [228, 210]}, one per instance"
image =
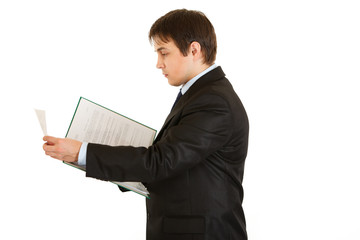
{"type": "Point", "coordinates": [160, 49]}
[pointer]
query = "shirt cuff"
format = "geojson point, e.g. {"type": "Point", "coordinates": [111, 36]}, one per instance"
{"type": "Point", "coordinates": [82, 154]}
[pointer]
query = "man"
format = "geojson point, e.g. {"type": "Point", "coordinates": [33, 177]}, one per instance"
{"type": "Point", "coordinates": [194, 169]}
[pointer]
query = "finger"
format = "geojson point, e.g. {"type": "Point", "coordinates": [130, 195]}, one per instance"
{"type": "Point", "coordinates": [50, 139]}
{"type": "Point", "coordinates": [54, 155]}
{"type": "Point", "coordinates": [49, 147]}
{"type": "Point", "coordinates": [49, 153]}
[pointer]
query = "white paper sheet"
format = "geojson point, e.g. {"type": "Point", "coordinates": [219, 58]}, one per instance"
{"type": "Point", "coordinates": [42, 120]}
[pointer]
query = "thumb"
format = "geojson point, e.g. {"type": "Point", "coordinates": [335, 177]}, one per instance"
{"type": "Point", "coordinates": [50, 139]}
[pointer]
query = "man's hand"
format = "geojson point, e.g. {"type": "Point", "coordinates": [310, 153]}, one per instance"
{"type": "Point", "coordinates": [64, 149]}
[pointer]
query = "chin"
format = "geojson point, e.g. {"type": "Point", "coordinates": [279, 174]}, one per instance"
{"type": "Point", "coordinates": [172, 83]}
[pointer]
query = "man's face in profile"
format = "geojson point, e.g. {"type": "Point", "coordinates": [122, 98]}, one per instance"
{"type": "Point", "coordinates": [176, 67]}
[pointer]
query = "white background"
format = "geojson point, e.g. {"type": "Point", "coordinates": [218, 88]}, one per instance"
{"type": "Point", "coordinates": [294, 64]}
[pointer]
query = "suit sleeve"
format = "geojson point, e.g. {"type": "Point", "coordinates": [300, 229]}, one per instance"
{"type": "Point", "coordinates": [202, 127]}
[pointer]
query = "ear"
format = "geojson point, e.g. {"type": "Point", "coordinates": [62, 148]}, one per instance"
{"type": "Point", "coordinates": [195, 50]}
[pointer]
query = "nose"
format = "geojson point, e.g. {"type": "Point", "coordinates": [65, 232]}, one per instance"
{"type": "Point", "coordinates": [160, 63]}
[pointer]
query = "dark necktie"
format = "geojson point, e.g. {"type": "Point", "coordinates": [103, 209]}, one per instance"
{"type": "Point", "coordinates": [177, 99]}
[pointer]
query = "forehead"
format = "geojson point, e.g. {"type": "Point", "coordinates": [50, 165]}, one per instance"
{"type": "Point", "coordinates": [159, 44]}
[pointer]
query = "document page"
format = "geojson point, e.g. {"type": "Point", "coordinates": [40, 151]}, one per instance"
{"type": "Point", "coordinates": [42, 120]}
{"type": "Point", "coordinates": [96, 124]}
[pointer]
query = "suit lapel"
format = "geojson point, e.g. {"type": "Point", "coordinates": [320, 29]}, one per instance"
{"type": "Point", "coordinates": [174, 111]}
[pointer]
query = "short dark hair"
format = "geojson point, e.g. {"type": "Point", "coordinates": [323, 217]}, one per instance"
{"type": "Point", "coordinates": [184, 27]}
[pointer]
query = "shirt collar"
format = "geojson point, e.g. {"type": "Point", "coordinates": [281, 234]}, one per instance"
{"type": "Point", "coordinates": [187, 85]}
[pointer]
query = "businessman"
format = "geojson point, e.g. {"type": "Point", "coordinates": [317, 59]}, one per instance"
{"type": "Point", "coordinates": [194, 169]}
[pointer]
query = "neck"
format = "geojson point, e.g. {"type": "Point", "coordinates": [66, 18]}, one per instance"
{"type": "Point", "coordinates": [199, 69]}
{"type": "Point", "coordinates": [189, 83]}
{"type": "Point", "coordinates": [202, 68]}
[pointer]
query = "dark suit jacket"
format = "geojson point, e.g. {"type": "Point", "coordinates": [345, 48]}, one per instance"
{"type": "Point", "coordinates": [194, 169]}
